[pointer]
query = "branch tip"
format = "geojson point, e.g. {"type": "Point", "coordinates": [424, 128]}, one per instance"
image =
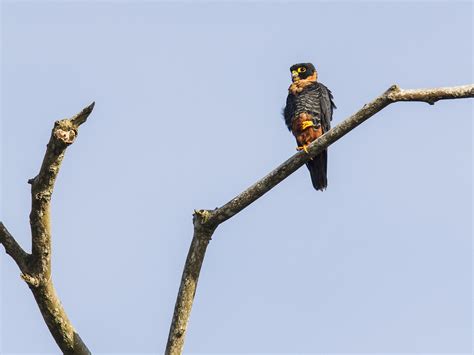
{"type": "Point", "coordinates": [82, 116]}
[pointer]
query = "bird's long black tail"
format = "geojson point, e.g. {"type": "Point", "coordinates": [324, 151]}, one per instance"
{"type": "Point", "coordinates": [318, 169]}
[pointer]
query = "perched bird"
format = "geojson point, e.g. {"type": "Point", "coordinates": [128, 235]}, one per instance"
{"type": "Point", "coordinates": [308, 115]}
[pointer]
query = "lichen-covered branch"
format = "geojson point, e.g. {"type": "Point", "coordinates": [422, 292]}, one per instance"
{"type": "Point", "coordinates": [36, 267]}
{"type": "Point", "coordinates": [209, 220]}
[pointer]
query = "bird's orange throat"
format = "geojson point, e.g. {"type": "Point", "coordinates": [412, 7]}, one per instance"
{"type": "Point", "coordinates": [299, 84]}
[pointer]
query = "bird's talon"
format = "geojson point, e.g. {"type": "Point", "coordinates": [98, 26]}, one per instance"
{"type": "Point", "coordinates": [307, 124]}
{"type": "Point", "coordinates": [304, 147]}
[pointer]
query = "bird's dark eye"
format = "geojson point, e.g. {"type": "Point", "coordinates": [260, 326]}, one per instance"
{"type": "Point", "coordinates": [301, 69]}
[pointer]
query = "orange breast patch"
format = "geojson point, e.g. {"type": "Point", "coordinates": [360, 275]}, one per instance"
{"type": "Point", "coordinates": [304, 129]}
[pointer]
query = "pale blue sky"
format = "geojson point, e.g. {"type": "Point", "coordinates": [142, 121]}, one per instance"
{"type": "Point", "coordinates": [188, 114]}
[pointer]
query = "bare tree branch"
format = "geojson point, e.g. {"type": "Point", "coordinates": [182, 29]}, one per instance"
{"type": "Point", "coordinates": [206, 221]}
{"type": "Point", "coordinates": [63, 134]}
{"type": "Point", "coordinates": [36, 268]}
{"type": "Point", "coordinates": [12, 248]}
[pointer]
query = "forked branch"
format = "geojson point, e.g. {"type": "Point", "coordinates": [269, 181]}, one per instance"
{"type": "Point", "coordinates": [36, 267]}
{"type": "Point", "coordinates": [206, 221]}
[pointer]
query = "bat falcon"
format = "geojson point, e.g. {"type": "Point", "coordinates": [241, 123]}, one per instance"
{"type": "Point", "coordinates": [308, 115]}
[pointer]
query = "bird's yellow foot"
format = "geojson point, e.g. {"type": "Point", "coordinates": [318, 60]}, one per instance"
{"type": "Point", "coordinates": [307, 124]}
{"type": "Point", "coordinates": [304, 147]}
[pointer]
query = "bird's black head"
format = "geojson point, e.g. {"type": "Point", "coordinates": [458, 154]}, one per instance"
{"type": "Point", "coordinates": [302, 71]}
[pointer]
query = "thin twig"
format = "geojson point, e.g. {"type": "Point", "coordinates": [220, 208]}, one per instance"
{"type": "Point", "coordinates": [206, 221]}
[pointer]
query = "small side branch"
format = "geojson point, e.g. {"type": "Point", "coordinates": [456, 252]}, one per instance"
{"type": "Point", "coordinates": [206, 220]}
{"type": "Point", "coordinates": [36, 268]}
{"type": "Point", "coordinates": [12, 248]}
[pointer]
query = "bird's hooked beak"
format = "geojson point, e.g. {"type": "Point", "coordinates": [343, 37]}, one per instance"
{"type": "Point", "coordinates": [295, 76]}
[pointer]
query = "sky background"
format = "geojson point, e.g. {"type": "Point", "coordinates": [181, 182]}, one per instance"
{"type": "Point", "coordinates": [188, 114]}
